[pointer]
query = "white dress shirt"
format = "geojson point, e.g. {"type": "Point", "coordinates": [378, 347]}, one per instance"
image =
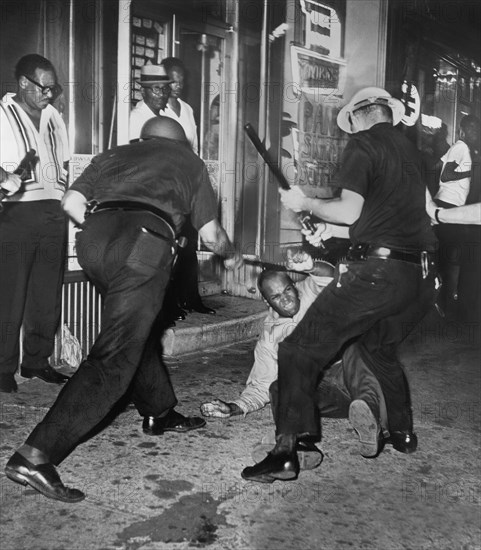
{"type": "Point", "coordinates": [275, 330]}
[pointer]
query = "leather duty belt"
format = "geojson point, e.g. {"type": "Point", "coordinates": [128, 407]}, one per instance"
{"type": "Point", "coordinates": [362, 251]}
{"type": "Point", "coordinates": [94, 206]}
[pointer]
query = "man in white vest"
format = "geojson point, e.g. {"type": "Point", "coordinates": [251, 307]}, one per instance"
{"type": "Point", "coordinates": [33, 230]}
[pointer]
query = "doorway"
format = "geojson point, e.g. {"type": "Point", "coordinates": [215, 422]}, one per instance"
{"type": "Point", "coordinates": [202, 55]}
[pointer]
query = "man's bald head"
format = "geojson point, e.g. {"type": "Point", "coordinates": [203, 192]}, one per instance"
{"type": "Point", "coordinates": [269, 275]}
{"type": "Point", "coordinates": [162, 127]}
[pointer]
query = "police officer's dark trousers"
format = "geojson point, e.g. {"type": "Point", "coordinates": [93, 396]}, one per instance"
{"type": "Point", "coordinates": [380, 300]}
{"type": "Point", "coordinates": [128, 256]}
{"type": "Point", "coordinates": [340, 384]}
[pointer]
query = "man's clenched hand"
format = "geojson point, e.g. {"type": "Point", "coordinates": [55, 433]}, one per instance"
{"type": "Point", "coordinates": [219, 409]}
{"type": "Point", "coordinates": [11, 183]}
{"type": "Point", "coordinates": [299, 260]}
{"type": "Point", "coordinates": [294, 199]}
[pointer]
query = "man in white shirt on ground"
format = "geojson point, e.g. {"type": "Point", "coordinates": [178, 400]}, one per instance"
{"type": "Point", "coordinates": [348, 388]}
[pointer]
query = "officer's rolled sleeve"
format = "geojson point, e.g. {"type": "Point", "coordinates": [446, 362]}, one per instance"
{"type": "Point", "coordinates": [356, 169]}
{"type": "Point", "coordinates": [87, 180]}
{"type": "Point", "coordinates": [204, 202]}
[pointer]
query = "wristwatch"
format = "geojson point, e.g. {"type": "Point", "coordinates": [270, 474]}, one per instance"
{"type": "Point", "coordinates": [436, 215]}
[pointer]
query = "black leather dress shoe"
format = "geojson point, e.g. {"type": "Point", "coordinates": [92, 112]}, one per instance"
{"type": "Point", "coordinates": [47, 374]}
{"type": "Point", "coordinates": [178, 314]}
{"type": "Point", "coordinates": [403, 442]}
{"type": "Point", "coordinates": [284, 466]}
{"type": "Point", "coordinates": [172, 422]}
{"type": "Point", "coordinates": [308, 454]}
{"type": "Point", "coordinates": [199, 307]}
{"type": "Point", "coordinates": [171, 315]}
{"type": "Point", "coordinates": [8, 383]}
{"type": "Point", "coordinates": [42, 477]}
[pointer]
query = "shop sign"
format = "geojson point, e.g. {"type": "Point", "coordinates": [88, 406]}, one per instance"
{"type": "Point", "coordinates": [322, 28]}
{"type": "Point", "coordinates": [314, 73]}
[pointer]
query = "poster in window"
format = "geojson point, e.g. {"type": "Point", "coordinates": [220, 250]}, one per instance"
{"type": "Point", "coordinates": [317, 74]}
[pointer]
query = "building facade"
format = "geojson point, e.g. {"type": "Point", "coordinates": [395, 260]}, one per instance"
{"type": "Point", "coordinates": [284, 66]}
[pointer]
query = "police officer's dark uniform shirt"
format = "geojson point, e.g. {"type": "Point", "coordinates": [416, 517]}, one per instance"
{"type": "Point", "coordinates": [161, 172]}
{"type": "Point", "coordinates": [383, 166]}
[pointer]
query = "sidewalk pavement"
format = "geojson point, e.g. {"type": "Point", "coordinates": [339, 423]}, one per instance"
{"type": "Point", "coordinates": [177, 491]}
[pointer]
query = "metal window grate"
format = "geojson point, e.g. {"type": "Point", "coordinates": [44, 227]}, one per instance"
{"type": "Point", "coordinates": [81, 312]}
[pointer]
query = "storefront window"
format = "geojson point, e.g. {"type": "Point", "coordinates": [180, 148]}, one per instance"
{"type": "Point", "coordinates": [315, 74]}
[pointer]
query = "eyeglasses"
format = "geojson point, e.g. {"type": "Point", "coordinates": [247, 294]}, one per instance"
{"type": "Point", "coordinates": [55, 90]}
{"type": "Point", "coordinates": [160, 90]}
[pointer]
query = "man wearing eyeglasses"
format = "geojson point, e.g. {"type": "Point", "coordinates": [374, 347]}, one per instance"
{"type": "Point", "coordinates": [155, 90]}
{"type": "Point", "coordinates": [32, 224]}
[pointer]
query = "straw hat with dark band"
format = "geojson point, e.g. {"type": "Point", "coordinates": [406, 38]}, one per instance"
{"type": "Point", "coordinates": [153, 74]}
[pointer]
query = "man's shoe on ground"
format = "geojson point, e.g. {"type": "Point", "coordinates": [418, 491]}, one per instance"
{"type": "Point", "coordinates": [171, 422]}
{"type": "Point", "coordinates": [283, 466]}
{"type": "Point", "coordinates": [404, 442]}
{"type": "Point", "coordinates": [47, 374]}
{"type": "Point", "coordinates": [308, 454]}
{"type": "Point", "coordinates": [8, 383]}
{"type": "Point", "coordinates": [42, 477]}
{"type": "Point", "coordinates": [367, 427]}
{"type": "Point", "coordinates": [173, 314]}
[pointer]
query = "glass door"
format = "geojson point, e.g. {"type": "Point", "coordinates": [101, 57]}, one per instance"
{"type": "Point", "coordinates": [202, 55]}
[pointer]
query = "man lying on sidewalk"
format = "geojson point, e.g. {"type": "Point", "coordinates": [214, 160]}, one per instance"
{"type": "Point", "coordinates": [348, 388]}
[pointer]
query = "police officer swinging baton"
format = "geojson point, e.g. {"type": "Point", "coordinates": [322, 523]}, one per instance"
{"type": "Point", "coordinates": [22, 170]}
{"type": "Point", "coordinates": [304, 218]}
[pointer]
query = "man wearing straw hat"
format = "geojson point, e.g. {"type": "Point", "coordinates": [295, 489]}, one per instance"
{"type": "Point", "coordinates": [155, 89]}
{"type": "Point", "coordinates": [382, 290]}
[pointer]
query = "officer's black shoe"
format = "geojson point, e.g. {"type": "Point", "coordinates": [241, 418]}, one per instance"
{"type": "Point", "coordinates": [404, 442]}
{"type": "Point", "coordinates": [42, 477]}
{"type": "Point", "coordinates": [46, 373]}
{"type": "Point", "coordinates": [284, 466]}
{"type": "Point", "coordinates": [172, 422]}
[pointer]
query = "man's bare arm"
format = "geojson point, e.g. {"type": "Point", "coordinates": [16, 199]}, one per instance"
{"type": "Point", "coordinates": [215, 238]}
{"type": "Point", "coordinates": [469, 214]}
{"type": "Point", "coordinates": [345, 209]}
{"type": "Point", "coordinates": [449, 173]}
